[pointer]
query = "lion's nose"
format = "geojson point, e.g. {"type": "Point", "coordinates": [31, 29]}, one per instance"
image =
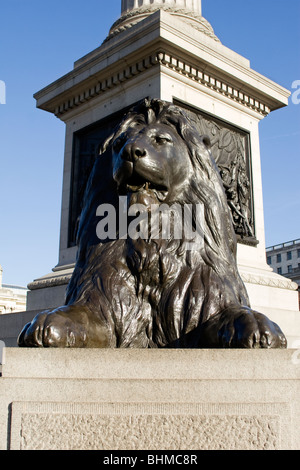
{"type": "Point", "coordinates": [133, 152]}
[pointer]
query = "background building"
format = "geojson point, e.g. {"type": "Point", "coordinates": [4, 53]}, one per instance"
{"type": "Point", "coordinates": [12, 298]}
{"type": "Point", "coordinates": [284, 259]}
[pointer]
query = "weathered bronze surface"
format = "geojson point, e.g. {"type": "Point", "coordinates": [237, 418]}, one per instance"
{"type": "Point", "coordinates": [151, 291]}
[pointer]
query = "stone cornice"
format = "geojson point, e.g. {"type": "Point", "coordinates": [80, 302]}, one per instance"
{"type": "Point", "coordinates": [148, 44]}
{"type": "Point", "coordinates": [198, 75]}
{"type": "Point", "coordinates": [50, 282]}
{"type": "Point", "coordinates": [214, 82]}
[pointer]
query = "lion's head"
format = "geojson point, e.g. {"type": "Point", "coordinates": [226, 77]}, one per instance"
{"type": "Point", "coordinates": [150, 158]}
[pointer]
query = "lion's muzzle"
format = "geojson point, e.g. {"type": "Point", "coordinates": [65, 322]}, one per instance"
{"type": "Point", "coordinates": [132, 152]}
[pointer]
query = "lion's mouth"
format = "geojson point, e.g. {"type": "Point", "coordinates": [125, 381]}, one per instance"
{"type": "Point", "coordinates": [136, 184]}
{"type": "Point", "coordinates": [145, 186]}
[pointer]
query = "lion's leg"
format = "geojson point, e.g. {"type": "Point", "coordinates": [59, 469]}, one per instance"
{"type": "Point", "coordinates": [67, 326]}
{"type": "Point", "coordinates": [240, 327]}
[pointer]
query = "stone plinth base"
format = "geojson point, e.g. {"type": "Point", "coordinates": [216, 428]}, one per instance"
{"type": "Point", "coordinates": [149, 399]}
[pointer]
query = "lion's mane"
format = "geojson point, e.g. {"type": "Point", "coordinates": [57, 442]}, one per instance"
{"type": "Point", "coordinates": [152, 293]}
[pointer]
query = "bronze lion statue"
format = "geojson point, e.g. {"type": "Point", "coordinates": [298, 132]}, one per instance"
{"type": "Point", "coordinates": [153, 291]}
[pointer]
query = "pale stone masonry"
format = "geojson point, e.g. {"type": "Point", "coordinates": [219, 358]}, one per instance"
{"type": "Point", "coordinates": [189, 11]}
{"type": "Point", "coordinates": [149, 399]}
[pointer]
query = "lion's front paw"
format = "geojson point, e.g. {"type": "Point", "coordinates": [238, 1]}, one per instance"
{"type": "Point", "coordinates": [52, 329]}
{"type": "Point", "coordinates": [241, 327]}
{"type": "Point", "coordinates": [65, 327]}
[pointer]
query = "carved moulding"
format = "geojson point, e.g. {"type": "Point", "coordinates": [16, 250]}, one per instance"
{"type": "Point", "coordinates": [133, 17]}
{"type": "Point", "coordinates": [50, 282]}
{"type": "Point", "coordinates": [281, 283]}
{"type": "Point", "coordinates": [162, 58]}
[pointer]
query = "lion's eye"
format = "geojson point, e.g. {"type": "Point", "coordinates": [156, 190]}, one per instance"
{"type": "Point", "coordinates": [162, 139]}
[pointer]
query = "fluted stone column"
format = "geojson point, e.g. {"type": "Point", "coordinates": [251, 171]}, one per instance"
{"type": "Point", "coordinates": [192, 5]}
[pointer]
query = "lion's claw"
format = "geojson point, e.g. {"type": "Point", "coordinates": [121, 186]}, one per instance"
{"type": "Point", "coordinates": [241, 327]}
{"type": "Point", "coordinates": [65, 327]}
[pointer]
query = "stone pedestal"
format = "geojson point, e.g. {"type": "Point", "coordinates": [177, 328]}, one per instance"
{"type": "Point", "coordinates": [149, 399]}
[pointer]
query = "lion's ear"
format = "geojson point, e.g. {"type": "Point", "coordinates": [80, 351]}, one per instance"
{"type": "Point", "coordinates": [206, 140]}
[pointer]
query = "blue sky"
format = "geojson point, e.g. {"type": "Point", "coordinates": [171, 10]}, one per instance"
{"type": "Point", "coordinates": [40, 40]}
